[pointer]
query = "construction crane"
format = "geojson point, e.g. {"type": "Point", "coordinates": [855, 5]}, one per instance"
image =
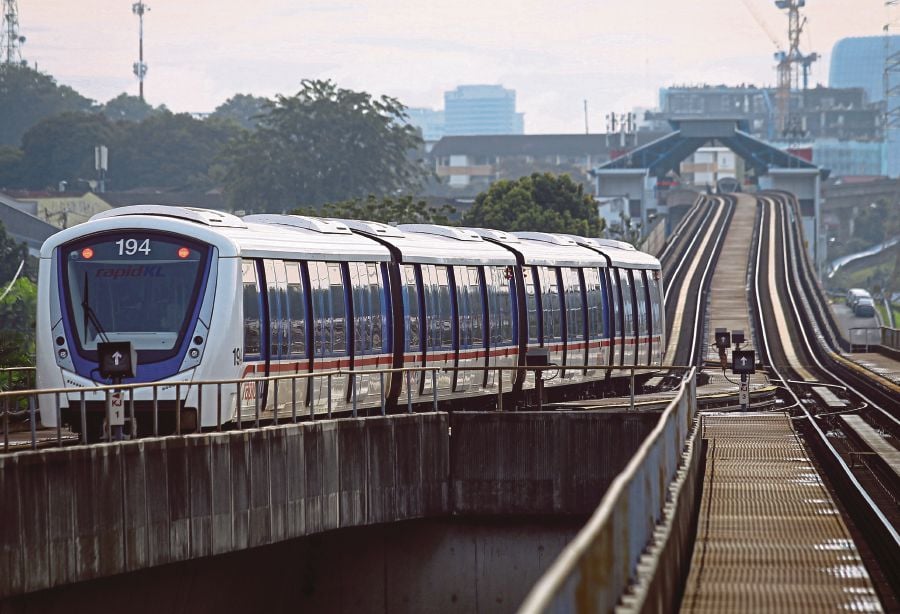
{"type": "Point", "coordinates": [791, 64]}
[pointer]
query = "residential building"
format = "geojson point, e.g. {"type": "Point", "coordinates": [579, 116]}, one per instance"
{"type": "Point", "coordinates": [709, 164]}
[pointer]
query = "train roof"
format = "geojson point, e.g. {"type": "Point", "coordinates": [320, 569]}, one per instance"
{"type": "Point", "coordinates": [619, 255]}
{"type": "Point", "coordinates": [275, 236]}
{"type": "Point", "coordinates": [435, 244]}
{"type": "Point", "coordinates": [544, 249]}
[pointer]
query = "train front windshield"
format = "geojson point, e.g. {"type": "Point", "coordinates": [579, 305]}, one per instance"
{"type": "Point", "coordinates": [138, 287]}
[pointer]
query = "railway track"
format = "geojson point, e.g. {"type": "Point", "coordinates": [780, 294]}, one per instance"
{"type": "Point", "coordinates": [689, 262]}
{"type": "Point", "coordinates": [832, 403]}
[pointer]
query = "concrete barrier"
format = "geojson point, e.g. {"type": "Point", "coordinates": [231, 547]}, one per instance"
{"type": "Point", "coordinates": [594, 571]}
{"type": "Point", "coordinates": [88, 512]}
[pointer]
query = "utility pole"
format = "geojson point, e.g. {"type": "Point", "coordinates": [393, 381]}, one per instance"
{"type": "Point", "coordinates": [140, 67]}
{"type": "Point", "coordinates": [10, 40]}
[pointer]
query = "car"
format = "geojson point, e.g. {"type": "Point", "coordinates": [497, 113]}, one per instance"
{"type": "Point", "coordinates": [864, 307]}
{"type": "Point", "coordinates": [854, 294]}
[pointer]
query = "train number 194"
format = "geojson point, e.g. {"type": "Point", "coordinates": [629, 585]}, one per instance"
{"type": "Point", "coordinates": [237, 356]}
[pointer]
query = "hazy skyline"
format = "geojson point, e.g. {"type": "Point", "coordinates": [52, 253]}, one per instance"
{"type": "Point", "coordinates": [554, 54]}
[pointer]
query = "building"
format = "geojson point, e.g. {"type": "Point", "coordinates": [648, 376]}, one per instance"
{"type": "Point", "coordinates": [481, 109]}
{"type": "Point", "coordinates": [429, 122]}
{"type": "Point", "coordinates": [467, 165]}
{"type": "Point", "coordinates": [709, 164]}
{"type": "Point", "coordinates": [859, 62]}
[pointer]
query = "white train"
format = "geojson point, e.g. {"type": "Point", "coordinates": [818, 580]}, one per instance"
{"type": "Point", "coordinates": [204, 295]}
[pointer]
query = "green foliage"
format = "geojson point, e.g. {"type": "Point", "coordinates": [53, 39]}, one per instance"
{"type": "Point", "coordinates": [127, 108]}
{"type": "Point", "coordinates": [28, 96]}
{"type": "Point", "coordinates": [403, 210]}
{"type": "Point", "coordinates": [243, 109]}
{"type": "Point", "coordinates": [10, 166]}
{"type": "Point", "coordinates": [17, 315]}
{"type": "Point", "coordinates": [11, 256]}
{"type": "Point", "coordinates": [542, 201]}
{"type": "Point", "coordinates": [61, 148]}
{"type": "Point", "coordinates": [167, 149]}
{"type": "Point", "coordinates": [324, 144]}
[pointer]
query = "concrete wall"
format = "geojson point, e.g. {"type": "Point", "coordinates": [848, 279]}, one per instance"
{"type": "Point", "coordinates": [88, 512]}
{"type": "Point", "coordinates": [443, 565]}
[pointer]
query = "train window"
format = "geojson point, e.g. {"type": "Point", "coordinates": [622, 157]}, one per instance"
{"type": "Point", "coordinates": [469, 304]}
{"type": "Point", "coordinates": [550, 303]}
{"type": "Point", "coordinates": [368, 307]}
{"type": "Point", "coordinates": [411, 308]}
{"type": "Point", "coordinates": [329, 310]}
{"type": "Point", "coordinates": [532, 302]}
{"type": "Point", "coordinates": [574, 304]}
{"type": "Point", "coordinates": [296, 310]}
{"type": "Point", "coordinates": [594, 303]}
{"type": "Point", "coordinates": [640, 294]}
{"type": "Point", "coordinates": [476, 305]}
{"type": "Point", "coordinates": [499, 280]}
{"type": "Point", "coordinates": [251, 309]}
{"type": "Point", "coordinates": [627, 303]}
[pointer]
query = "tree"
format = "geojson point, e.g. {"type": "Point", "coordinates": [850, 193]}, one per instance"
{"type": "Point", "coordinates": [28, 96]}
{"type": "Point", "coordinates": [545, 202]}
{"type": "Point", "coordinates": [167, 149]}
{"type": "Point", "coordinates": [243, 109]}
{"type": "Point", "coordinates": [19, 305]}
{"type": "Point", "coordinates": [10, 166]}
{"type": "Point", "coordinates": [61, 148]}
{"type": "Point", "coordinates": [403, 210]}
{"type": "Point", "coordinates": [324, 144]}
{"type": "Point", "coordinates": [127, 108]}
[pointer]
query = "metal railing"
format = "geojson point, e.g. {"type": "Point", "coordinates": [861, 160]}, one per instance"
{"type": "Point", "coordinates": [890, 338]}
{"type": "Point", "coordinates": [863, 336]}
{"type": "Point", "coordinates": [24, 404]}
{"type": "Point", "coordinates": [594, 570]}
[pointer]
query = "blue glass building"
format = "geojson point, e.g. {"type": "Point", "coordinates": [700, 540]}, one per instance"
{"type": "Point", "coordinates": [481, 109]}
{"type": "Point", "coordinates": [859, 62]}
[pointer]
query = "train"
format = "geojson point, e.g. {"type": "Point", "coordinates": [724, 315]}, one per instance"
{"type": "Point", "coordinates": [206, 295]}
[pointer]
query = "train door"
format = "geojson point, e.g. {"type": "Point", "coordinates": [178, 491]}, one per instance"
{"type": "Point", "coordinates": [533, 310]}
{"type": "Point", "coordinates": [501, 324]}
{"type": "Point", "coordinates": [297, 346]}
{"type": "Point", "coordinates": [617, 319]}
{"type": "Point", "coordinates": [253, 354]}
{"type": "Point", "coordinates": [370, 346]}
{"type": "Point", "coordinates": [439, 327]}
{"type": "Point", "coordinates": [277, 393]}
{"type": "Point", "coordinates": [629, 328]}
{"type": "Point", "coordinates": [575, 329]}
{"type": "Point", "coordinates": [597, 351]}
{"type": "Point", "coordinates": [658, 316]}
{"type": "Point", "coordinates": [330, 334]}
{"type": "Point", "coordinates": [411, 294]}
{"type": "Point", "coordinates": [552, 316]}
{"type": "Point", "coordinates": [641, 300]}
{"type": "Point", "coordinates": [471, 350]}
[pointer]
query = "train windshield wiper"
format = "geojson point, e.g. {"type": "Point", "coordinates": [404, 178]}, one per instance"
{"type": "Point", "coordinates": [89, 314]}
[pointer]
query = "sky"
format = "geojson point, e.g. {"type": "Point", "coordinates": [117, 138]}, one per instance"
{"type": "Point", "coordinates": [555, 54]}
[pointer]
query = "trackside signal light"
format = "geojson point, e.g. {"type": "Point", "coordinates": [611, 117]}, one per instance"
{"type": "Point", "coordinates": [87, 253]}
{"type": "Point", "coordinates": [183, 252]}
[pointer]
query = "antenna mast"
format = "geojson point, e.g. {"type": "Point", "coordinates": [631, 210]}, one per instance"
{"type": "Point", "coordinates": [790, 66]}
{"type": "Point", "coordinates": [140, 67]}
{"type": "Point", "coordinates": [10, 40]}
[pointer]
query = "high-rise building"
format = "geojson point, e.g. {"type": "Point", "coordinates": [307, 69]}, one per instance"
{"type": "Point", "coordinates": [481, 109]}
{"type": "Point", "coordinates": [859, 62]}
{"type": "Point", "coordinates": [429, 121]}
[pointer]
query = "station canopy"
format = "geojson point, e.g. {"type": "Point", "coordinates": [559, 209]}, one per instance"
{"type": "Point", "coordinates": [666, 154]}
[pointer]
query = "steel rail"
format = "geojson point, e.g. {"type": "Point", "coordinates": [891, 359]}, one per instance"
{"type": "Point", "coordinates": [835, 456]}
